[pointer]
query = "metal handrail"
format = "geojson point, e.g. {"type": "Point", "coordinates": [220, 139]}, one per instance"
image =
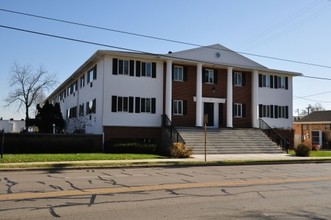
{"type": "Point", "coordinates": [274, 135]}
{"type": "Point", "coordinates": [171, 130]}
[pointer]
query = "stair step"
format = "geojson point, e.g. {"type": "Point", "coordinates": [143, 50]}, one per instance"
{"type": "Point", "coordinates": [228, 141]}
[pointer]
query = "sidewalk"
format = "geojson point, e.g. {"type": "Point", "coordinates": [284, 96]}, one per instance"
{"type": "Point", "coordinates": [195, 160]}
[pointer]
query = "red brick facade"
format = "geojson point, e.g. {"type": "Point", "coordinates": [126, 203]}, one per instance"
{"type": "Point", "coordinates": [243, 95]}
{"type": "Point", "coordinates": [186, 90]}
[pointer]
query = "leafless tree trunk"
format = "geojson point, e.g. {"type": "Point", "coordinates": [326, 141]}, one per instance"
{"type": "Point", "coordinates": [28, 86]}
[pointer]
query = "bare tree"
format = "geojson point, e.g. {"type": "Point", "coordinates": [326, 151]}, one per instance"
{"type": "Point", "coordinates": [312, 108]}
{"type": "Point", "coordinates": [28, 86]}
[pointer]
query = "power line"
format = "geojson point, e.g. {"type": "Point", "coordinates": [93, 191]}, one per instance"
{"type": "Point", "coordinates": [112, 46]}
{"type": "Point", "coordinates": [70, 39]}
{"type": "Point", "coordinates": [312, 100]}
{"type": "Point", "coordinates": [93, 43]}
{"type": "Point", "coordinates": [316, 77]}
{"type": "Point", "coordinates": [156, 38]}
{"type": "Point", "coordinates": [321, 93]}
{"type": "Point", "coordinates": [274, 28]}
{"type": "Point", "coordinates": [296, 24]}
{"type": "Point", "coordinates": [98, 27]}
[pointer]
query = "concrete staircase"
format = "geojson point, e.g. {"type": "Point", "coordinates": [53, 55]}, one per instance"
{"type": "Point", "coordinates": [228, 141]}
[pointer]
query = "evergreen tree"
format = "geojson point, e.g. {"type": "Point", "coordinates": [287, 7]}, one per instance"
{"type": "Point", "coordinates": [49, 115]}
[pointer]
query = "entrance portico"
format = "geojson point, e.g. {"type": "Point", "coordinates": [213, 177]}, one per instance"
{"type": "Point", "coordinates": [202, 108]}
{"type": "Point", "coordinates": [211, 107]}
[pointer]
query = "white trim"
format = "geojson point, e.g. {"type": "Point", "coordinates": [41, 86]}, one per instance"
{"type": "Point", "coordinates": [210, 100]}
{"type": "Point", "coordinates": [199, 106]}
{"type": "Point", "coordinates": [229, 106]}
{"type": "Point", "coordinates": [179, 104]}
{"type": "Point", "coordinates": [319, 136]}
{"type": "Point", "coordinates": [255, 99]}
{"type": "Point", "coordinates": [238, 106]}
{"type": "Point", "coordinates": [168, 96]}
{"type": "Point", "coordinates": [311, 122]}
{"type": "Point", "coordinates": [181, 79]}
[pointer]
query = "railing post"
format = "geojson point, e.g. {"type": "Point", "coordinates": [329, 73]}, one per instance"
{"type": "Point", "coordinates": [174, 134]}
{"type": "Point", "coordinates": [273, 135]}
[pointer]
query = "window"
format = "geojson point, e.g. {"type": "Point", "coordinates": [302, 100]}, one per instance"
{"type": "Point", "coordinates": [266, 81]}
{"type": "Point", "coordinates": [72, 112]}
{"type": "Point", "coordinates": [122, 104]}
{"type": "Point", "coordinates": [237, 79]}
{"type": "Point", "coordinates": [134, 68]}
{"type": "Point", "coordinates": [91, 106]}
{"type": "Point", "coordinates": [146, 69]}
{"type": "Point", "coordinates": [82, 81]}
{"type": "Point", "coordinates": [273, 111]}
{"type": "Point", "coordinates": [273, 81]}
{"type": "Point", "coordinates": [123, 67]}
{"type": "Point", "coordinates": [316, 137]}
{"type": "Point", "coordinates": [178, 73]}
{"type": "Point", "coordinates": [73, 87]}
{"type": "Point", "coordinates": [238, 110]}
{"type": "Point", "coordinates": [281, 112]}
{"type": "Point", "coordinates": [178, 107]}
{"type": "Point", "coordinates": [92, 74]}
{"type": "Point", "coordinates": [209, 76]}
{"type": "Point", "coordinates": [281, 82]}
{"type": "Point", "coordinates": [81, 109]}
{"type": "Point", "coordinates": [145, 105]}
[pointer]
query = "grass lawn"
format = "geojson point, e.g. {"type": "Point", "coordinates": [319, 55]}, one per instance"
{"type": "Point", "coordinates": [18, 158]}
{"type": "Point", "coordinates": [315, 153]}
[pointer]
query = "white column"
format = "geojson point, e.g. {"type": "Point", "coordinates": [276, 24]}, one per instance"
{"type": "Point", "coordinates": [168, 99]}
{"type": "Point", "coordinates": [199, 110]}
{"type": "Point", "coordinates": [255, 105]}
{"type": "Point", "coordinates": [229, 100]}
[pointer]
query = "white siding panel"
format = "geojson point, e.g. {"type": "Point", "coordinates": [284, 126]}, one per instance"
{"type": "Point", "coordinates": [85, 94]}
{"type": "Point", "coordinates": [126, 86]}
{"type": "Point", "coordinates": [280, 97]}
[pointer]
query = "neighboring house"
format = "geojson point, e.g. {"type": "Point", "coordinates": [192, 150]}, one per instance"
{"type": "Point", "coordinates": [123, 94]}
{"type": "Point", "coordinates": [12, 126]}
{"type": "Point", "coordinates": [314, 128]}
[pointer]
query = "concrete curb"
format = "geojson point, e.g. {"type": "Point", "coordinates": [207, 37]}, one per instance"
{"type": "Point", "coordinates": [196, 160]}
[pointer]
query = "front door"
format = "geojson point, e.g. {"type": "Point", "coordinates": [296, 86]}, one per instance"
{"type": "Point", "coordinates": [209, 110]}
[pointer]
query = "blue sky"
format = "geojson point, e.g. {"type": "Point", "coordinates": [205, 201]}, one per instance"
{"type": "Point", "coordinates": [295, 30]}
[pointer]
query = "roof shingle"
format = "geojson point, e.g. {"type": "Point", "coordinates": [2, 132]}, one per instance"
{"type": "Point", "coordinates": [317, 116]}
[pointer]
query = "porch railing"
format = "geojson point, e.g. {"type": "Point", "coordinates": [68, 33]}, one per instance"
{"type": "Point", "coordinates": [171, 130]}
{"type": "Point", "coordinates": [274, 135]}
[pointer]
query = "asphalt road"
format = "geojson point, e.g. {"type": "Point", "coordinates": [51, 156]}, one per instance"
{"type": "Point", "coordinates": [300, 191]}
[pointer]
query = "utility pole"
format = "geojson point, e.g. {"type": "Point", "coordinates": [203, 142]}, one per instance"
{"type": "Point", "coordinates": [205, 128]}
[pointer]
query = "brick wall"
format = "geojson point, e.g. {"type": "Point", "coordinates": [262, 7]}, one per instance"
{"type": "Point", "coordinates": [243, 95]}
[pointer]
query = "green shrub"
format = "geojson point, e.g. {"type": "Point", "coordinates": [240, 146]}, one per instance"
{"type": "Point", "coordinates": [303, 150]}
{"type": "Point", "coordinates": [179, 150]}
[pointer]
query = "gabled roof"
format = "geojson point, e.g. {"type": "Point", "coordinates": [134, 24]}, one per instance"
{"type": "Point", "coordinates": [317, 117]}
{"type": "Point", "coordinates": [214, 55]}
{"type": "Point", "coordinates": [217, 54]}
